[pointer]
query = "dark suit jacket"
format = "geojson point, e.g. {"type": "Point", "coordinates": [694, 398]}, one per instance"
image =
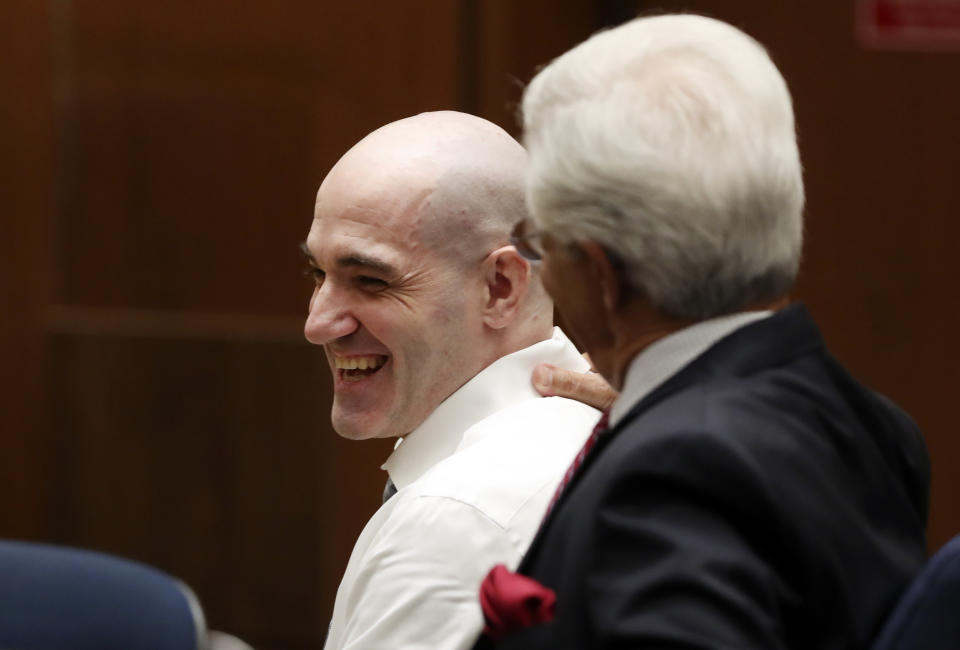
{"type": "Point", "coordinates": [759, 498]}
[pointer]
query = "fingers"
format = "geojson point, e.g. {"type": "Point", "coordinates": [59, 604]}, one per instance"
{"type": "Point", "coordinates": [586, 387]}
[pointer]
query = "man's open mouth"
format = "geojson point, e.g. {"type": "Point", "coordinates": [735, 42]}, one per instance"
{"type": "Point", "coordinates": [359, 367]}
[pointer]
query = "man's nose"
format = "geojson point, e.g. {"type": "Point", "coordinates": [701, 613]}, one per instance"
{"type": "Point", "coordinates": [329, 318]}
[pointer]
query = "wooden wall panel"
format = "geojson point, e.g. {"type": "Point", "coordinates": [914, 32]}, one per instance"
{"type": "Point", "coordinates": [199, 132]}
{"type": "Point", "coordinates": [878, 137]}
{"type": "Point", "coordinates": [26, 169]}
{"type": "Point", "coordinates": [513, 39]}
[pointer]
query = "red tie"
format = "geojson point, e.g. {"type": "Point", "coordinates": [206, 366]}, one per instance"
{"type": "Point", "coordinates": [578, 459]}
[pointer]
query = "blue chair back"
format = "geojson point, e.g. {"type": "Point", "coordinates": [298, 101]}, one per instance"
{"type": "Point", "coordinates": [56, 597]}
{"type": "Point", "coordinates": [927, 617]}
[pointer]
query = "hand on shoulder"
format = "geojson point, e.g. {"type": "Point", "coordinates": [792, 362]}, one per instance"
{"type": "Point", "coordinates": [587, 387]}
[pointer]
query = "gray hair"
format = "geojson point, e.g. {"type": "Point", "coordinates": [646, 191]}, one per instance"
{"type": "Point", "coordinates": [670, 141]}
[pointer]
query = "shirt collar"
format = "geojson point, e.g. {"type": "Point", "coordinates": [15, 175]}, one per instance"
{"type": "Point", "coordinates": [665, 357]}
{"type": "Point", "coordinates": [504, 382]}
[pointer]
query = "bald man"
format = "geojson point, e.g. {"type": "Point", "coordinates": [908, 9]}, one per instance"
{"type": "Point", "coordinates": [432, 324]}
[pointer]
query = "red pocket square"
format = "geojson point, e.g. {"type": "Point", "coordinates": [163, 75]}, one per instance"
{"type": "Point", "coordinates": [511, 601]}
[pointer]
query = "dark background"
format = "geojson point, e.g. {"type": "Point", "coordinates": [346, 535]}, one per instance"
{"type": "Point", "coordinates": [158, 170]}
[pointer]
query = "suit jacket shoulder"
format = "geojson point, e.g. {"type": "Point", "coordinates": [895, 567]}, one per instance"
{"type": "Point", "coordinates": [759, 498]}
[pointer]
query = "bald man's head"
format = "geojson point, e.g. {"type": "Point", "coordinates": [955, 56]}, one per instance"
{"type": "Point", "coordinates": [444, 173]}
{"type": "Point", "coordinates": [418, 289]}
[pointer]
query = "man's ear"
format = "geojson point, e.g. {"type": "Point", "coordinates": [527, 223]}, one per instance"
{"type": "Point", "coordinates": [507, 277]}
{"type": "Point", "coordinates": [604, 274]}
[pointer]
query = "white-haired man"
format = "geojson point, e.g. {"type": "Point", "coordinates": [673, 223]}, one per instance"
{"type": "Point", "coordinates": [432, 323]}
{"type": "Point", "coordinates": [749, 493]}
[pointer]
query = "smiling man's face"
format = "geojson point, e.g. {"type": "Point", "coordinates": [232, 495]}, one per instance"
{"type": "Point", "coordinates": [398, 320]}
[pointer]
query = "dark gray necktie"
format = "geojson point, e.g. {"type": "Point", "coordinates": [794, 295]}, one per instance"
{"type": "Point", "coordinates": [389, 490]}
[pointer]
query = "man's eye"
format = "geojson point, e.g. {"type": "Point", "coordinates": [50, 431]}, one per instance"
{"type": "Point", "coordinates": [368, 282]}
{"type": "Point", "coordinates": [317, 274]}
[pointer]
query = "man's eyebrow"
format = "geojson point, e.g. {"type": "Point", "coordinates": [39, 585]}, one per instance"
{"type": "Point", "coordinates": [366, 262]}
{"type": "Point", "coordinates": [353, 261]}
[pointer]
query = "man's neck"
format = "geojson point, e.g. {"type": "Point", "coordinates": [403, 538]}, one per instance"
{"type": "Point", "coordinates": [635, 335]}
{"type": "Point", "coordinates": [520, 335]}
{"type": "Point", "coordinates": [639, 325]}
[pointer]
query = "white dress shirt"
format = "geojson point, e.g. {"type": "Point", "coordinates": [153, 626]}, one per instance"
{"type": "Point", "coordinates": [667, 356]}
{"type": "Point", "coordinates": [473, 483]}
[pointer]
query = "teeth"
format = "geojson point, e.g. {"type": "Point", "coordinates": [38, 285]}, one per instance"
{"type": "Point", "coordinates": [359, 363]}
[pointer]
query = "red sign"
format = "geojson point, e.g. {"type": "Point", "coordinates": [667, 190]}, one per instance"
{"type": "Point", "coordinates": [914, 24]}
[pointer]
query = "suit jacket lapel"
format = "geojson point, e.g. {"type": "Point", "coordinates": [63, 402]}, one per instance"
{"type": "Point", "coordinates": [667, 388]}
